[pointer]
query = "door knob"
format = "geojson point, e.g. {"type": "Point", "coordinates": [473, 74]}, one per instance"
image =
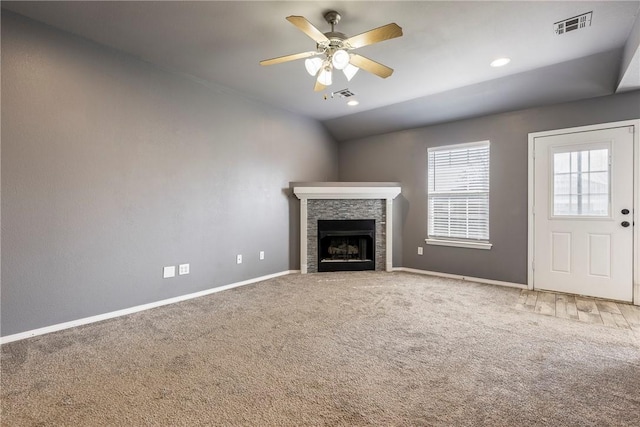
{"type": "Point", "coordinates": [625, 211]}
{"type": "Point", "coordinates": [625, 223]}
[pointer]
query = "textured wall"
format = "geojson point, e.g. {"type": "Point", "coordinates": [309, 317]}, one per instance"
{"type": "Point", "coordinates": [402, 156]}
{"type": "Point", "coordinates": [112, 169]}
{"type": "Point", "coordinates": [345, 209]}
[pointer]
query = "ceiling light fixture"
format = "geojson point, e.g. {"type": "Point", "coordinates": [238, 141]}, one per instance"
{"type": "Point", "coordinates": [350, 71]}
{"type": "Point", "coordinates": [352, 103]}
{"type": "Point", "coordinates": [340, 59]}
{"type": "Point", "coordinates": [313, 65]}
{"type": "Point", "coordinates": [324, 77]}
{"type": "Point", "coordinates": [500, 62]}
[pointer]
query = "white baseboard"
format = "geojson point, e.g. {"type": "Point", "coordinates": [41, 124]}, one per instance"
{"type": "Point", "coordinates": [130, 310]}
{"type": "Point", "coordinates": [456, 276]}
{"type": "Point", "coordinates": [138, 308]}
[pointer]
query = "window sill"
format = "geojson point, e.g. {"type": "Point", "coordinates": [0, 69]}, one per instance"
{"type": "Point", "coordinates": [459, 244]}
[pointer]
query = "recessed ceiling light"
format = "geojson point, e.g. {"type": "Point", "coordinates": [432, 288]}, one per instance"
{"type": "Point", "coordinates": [500, 62]}
{"type": "Point", "coordinates": [352, 103]}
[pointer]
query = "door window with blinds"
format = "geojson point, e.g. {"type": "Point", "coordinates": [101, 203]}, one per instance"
{"type": "Point", "coordinates": [458, 195]}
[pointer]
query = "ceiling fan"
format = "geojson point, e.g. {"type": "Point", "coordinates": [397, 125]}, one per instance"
{"type": "Point", "coordinates": [333, 50]}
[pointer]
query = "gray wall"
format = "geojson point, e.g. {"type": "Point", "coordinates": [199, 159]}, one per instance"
{"type": "Point", "coordinates": [112, 169]}
{"type": "Point", "coordinates": [402, 156]}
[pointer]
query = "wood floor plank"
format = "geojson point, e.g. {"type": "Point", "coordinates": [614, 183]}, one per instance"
{"type": "Point", "coordinates": [608, 307]}
{"type": "Point", "coordinates": [522, 300]}
{"type": "Point", "coordinates": [572, 309]}
{"type": "Point", "coordinates": [566, 307]}
{"type": "Point", "coordinates": [586, 305]}
{"type": "Point", "coordinates": [561, 307]}
{"type": "Point", "coordinates": [587, 317]}
{"type": "Point", "coordinates": [631, 314]}
{"type": "Point", "coordinates": [585, 309]}
{"type": "Point", "coordinates": [621, 322]}
{"type": "Point", "coordinates": [532, 297]}
{"type": "Point", "coordinates": [546, 304]}
{"type": "Point", "coordinates": [607, 319]}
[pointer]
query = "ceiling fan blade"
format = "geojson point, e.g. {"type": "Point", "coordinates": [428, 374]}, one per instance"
{"type": "Point", "coordinates": [371, 66]}
{"type": "Point", "coordinates": [287, 58]}
{"type": "Point", "coordinates": [386, 32]}
{"type": "Point", "coordinates": [319, 87]}
{"type": "Point", "coordinates": [307, 28]}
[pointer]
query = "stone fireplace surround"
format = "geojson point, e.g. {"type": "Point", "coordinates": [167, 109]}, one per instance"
{"type": "Point", "coordinates": [346, 200]}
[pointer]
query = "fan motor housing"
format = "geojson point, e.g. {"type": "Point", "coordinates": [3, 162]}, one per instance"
{"type": "Point", "coordinates": [336, 41]}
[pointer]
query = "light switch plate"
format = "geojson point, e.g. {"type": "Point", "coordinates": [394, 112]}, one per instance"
{"type": "Point", "coordinates": [239, 259]}
{"type": "Point", "coordinates": [261, 255]}
{"type": "Point", "coordinates": [419, 250]}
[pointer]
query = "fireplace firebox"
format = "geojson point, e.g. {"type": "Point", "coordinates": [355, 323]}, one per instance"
{"type": "Point", "coordinates": [346, 245]}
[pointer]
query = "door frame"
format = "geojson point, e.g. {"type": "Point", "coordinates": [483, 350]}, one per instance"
{"type": "Point", "coordinates": [636, 196]}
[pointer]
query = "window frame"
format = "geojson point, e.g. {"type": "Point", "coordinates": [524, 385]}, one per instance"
{"type": "Point", "coordinates": [460, 241]}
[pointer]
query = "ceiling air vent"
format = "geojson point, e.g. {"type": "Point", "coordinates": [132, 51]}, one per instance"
{"type": "Point", "coordinates": [571, 24]}
{"type": "Point", "coordinates": [344, 93]}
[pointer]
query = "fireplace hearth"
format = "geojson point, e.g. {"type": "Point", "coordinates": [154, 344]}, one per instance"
{"type": "Point", "coordinates": [346, 245]}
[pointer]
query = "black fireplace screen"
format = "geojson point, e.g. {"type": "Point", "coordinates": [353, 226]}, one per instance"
{"type": "Point", "coordinates": [346, 245]}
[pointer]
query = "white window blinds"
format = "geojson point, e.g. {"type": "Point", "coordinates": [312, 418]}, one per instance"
{"type": "Point", "coordinates": [458, 192]}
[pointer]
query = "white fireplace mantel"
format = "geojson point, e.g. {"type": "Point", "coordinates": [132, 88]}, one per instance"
{"type": "Point", "coordinates": [346, 192]}
{"type": "Point", "coordinates": [384, 191]}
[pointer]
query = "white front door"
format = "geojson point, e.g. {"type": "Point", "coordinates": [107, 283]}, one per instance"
{"type": "Point", "coordinates": [583, 213]}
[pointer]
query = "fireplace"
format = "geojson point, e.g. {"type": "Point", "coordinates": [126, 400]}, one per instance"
{"type": "Point", "coordinates": [356, 248]}
{"type": "Point", "coordinates": [346, 245]}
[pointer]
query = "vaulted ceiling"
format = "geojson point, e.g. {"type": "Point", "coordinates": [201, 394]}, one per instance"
{"type": "Point", "coordinates": [441, 62]}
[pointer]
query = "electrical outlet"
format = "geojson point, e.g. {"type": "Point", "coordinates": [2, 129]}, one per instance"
{"type": "Point", "coordinates": [419, 250]}
{"type": "Point", "coordinates": [261, 255]}
{"type": "Point", "coordinates": [169, 272]}
{"type": "Point", "coordinates": [183, 269]}
{"type": "Point", "coordinates": [239, 259]}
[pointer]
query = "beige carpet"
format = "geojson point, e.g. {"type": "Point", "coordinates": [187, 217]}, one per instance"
{"type": "Point", "coordinates": [329, 349]}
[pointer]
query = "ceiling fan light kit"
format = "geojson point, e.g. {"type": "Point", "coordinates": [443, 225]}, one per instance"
{"type": "Point", "coordinates": [336, 48]}
{"type": "Point", "coordinates": [313, 65]}
{"type": "Point", "coordinates": [340, 59]}
{"type": "Point", "coordinates": [350, 71]}
{"type": "Point", "coordinates": [324, 77]}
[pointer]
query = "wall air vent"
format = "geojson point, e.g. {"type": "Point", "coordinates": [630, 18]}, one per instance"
{"type": "Point", "coordinates": [571, 24]}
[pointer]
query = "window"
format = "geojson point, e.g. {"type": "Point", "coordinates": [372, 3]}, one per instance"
{"type": "Point", "coordinates": [458, 195]}
{"type": "Point", "coordinates": [581, 182]}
